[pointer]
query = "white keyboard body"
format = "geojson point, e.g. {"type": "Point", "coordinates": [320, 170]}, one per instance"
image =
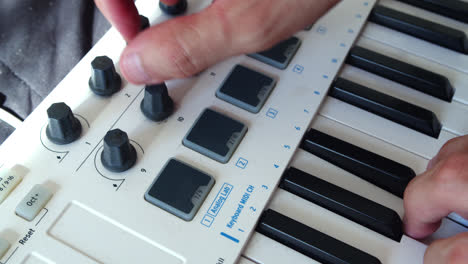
{"type": "Point", "coordinates": [96, 216]}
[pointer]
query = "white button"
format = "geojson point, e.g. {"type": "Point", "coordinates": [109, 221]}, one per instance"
{"type": "Point", "coordinates": [4, 246]}
{"type": "Point", "coordinates": [33, 202]}
{"type": "Point", "coordinates": [9, 179]}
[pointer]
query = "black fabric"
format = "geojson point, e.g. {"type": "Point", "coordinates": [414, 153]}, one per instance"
{"type": "Point", "coordinates": [40, 42]}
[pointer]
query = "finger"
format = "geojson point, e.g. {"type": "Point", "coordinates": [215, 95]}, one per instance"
{"type": "Point", "coordinates": [170, 2]}
{"type": "Point", "coordinates": [123, 15]}
{"type": "Point", "coordinates": [453, 250]}
{"type": "Point", "coordinates": [435, 194]}
{"type": "Point", "coordinates": [459, 144]}
{"type": "Point", "coordinates": [183, 46]}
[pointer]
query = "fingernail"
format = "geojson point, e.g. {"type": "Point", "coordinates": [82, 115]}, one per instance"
{"type": "Point", "coordinates": [132, 68]}
{"type": "Point", "coordinates": [431, 164]}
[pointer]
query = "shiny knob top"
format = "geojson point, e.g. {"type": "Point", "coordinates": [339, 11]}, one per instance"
{"type": "Point", "coordinates": [173, 7]}
{"type": "Point", "coordinates": [104, 80]}
{"type": "Point", "coordinates": [63, 127]}
{"type": "Point", "coordinates": [157, 105]}
{"type": "Point", "coordinates": [118, 154]}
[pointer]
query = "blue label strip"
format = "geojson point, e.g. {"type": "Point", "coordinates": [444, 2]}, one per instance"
{"type": "Point", "coordinates": [230, 237]}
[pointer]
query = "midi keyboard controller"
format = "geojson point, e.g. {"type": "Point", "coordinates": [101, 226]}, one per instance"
{"type": "Point", "coordinates": [181, 172]}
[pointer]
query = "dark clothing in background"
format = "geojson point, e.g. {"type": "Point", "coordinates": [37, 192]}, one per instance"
{"type": "Point", "coordinates": [40, 42]}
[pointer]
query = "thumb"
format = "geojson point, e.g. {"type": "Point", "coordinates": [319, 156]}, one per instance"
{"type": "Point", "coordinates": [177, 48]}
{"type": "Point", "coordinates": [184, 46]}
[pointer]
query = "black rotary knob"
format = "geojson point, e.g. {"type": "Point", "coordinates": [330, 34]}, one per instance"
{"type": "Point", "coordinates": [104, 80]}
{"type": "Point", "coordinates": [173, 7]}
{"type": "Point", "coordinates": [157, 105]}
{"type": "Point", "coordinates": [144, 23]}
{"type": "Point", "coordinates": [63, 127]}
{"type": "Point", "coordinates": [118, 154]}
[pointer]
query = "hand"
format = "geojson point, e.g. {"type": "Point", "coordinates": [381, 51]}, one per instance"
{"type": "Point", "coordinates": [442, 189]}
{"type": "Point", "coordinates": [186, 45]}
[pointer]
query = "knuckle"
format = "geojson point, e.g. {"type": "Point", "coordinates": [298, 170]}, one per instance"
{"type": "Point", "coordinates": [451, 168]}
{"type": "Point", "coordinates": [184, 63]}
{"type": "Point", "coordinates": [448, 146]}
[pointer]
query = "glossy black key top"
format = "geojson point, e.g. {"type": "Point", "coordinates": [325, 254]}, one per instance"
{"type": "Point", "coordinates": [385, 173]}
{"type": "Point", "coordinates": [417, 78]}
{"type": "Point", "coordinates": [454, 9]}
{"type": "Point", "coordinates": [388, 107]}
{"type": "Point", "coordinates": [438, 34]}
{"type": "Point", "coordinates": [343, 202]}
{"type": "Point", "coordinates": [309, 241]}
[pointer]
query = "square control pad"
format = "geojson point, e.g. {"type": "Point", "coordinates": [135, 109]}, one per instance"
{"type": "Point", "coordinates": [180, 189]}
{"type": "Point", "coordinates": [246, 88]}
{"type": "Point", "coordinates": [279, 55]}
{"type": "Point", "coordinates": [215, 135]}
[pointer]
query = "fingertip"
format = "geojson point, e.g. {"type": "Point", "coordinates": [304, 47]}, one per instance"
{"type": "Point", "coordinates": [134, 70]}
{"type": "Point", "coordinates": [431, 163]}
{"type": "Point", "coordinates": [123, 15]}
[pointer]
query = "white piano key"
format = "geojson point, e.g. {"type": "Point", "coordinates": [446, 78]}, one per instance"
{"type": "Point", "coordinates": [243, 260]}
{"type": "Point", "coordinates": [385, 249]}
{"type": "Point", "coordinates": [316, 166]}
{"type": "Point", "coordinates": [386, 130]}
{"type": "Point", "coordinates": [458, 79]}
{"type": "Point", "coordinates": [264, 250]}
{"type": "Point", "coordinates": [449, 114]}
{"type": "Point", "coordinates": [382, 148]}
{"type": "Point", "coordinates": [435, 53]}
{"type": "Point", "coordinates": [408, 250]}
{"type": "Point", "coordinates": [458, 219]}
{"type": "Point", "coordinates": [322, 169]}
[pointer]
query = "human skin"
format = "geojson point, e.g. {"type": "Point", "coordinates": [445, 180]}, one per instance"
{"type": "Point", "coordinates": [183, 46]}
{"type": "Point", "coordinates": [186, 45]}
{"type": "Point", "coordinates": [440, 190]}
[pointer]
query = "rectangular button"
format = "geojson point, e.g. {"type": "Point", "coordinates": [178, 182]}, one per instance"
{"type": "Point", "coordinates": [9, 179]}
{"type": "Point", "coordinates": [279, 55]}
{"type": "Point", "coordinates": [180, 189]}
{"type": "Point", "coordinates": [215, 135]}
{"type": "Point", "coordinates": [4, 246]}
{"type": "Point", "coordinates": [33, 202]}
{"type": "Point", "coordinates": [246, 88]}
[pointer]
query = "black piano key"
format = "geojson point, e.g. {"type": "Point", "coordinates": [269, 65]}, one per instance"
{"type": "Point", "coordinates": [345, 203]}
{"type": "Point", "coordinates": [454, 9]}
{"type": "Point", "coordinates": [388, 107]}
{"type": "Point", "coordinates": [417, 78]}
{"type": "Point", "coordinates": [309, 241]}
{"type": "Point", "coordinates": [420, 28]}
{"type": "Point", "coordinates": [380, 171]}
